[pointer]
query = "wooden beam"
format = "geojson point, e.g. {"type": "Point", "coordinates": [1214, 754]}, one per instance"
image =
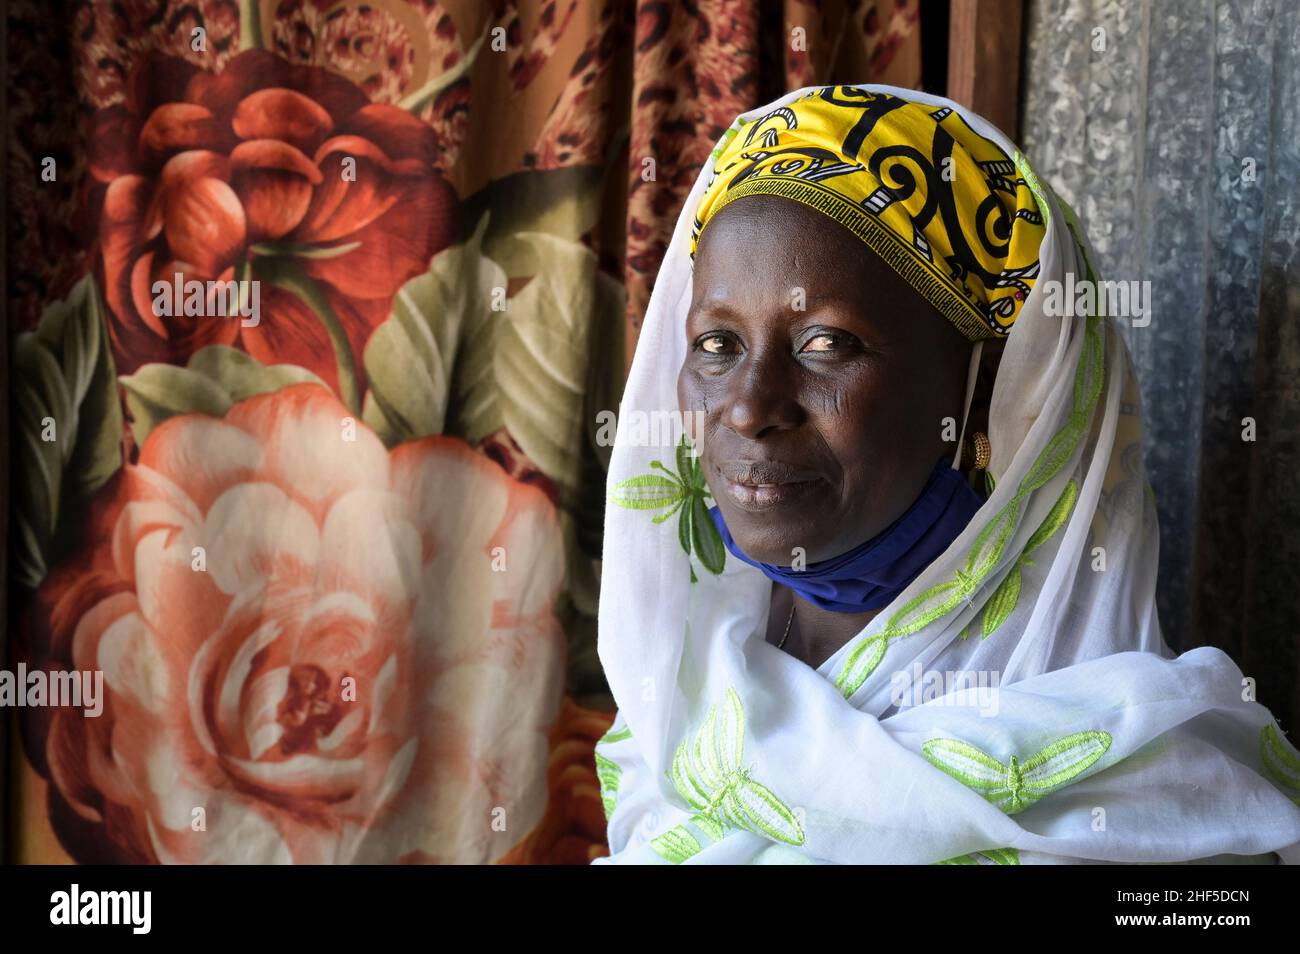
{"type": "Point", "coordinates": [984, 59]}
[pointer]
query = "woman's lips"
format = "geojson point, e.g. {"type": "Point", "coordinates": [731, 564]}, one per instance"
{"type": "Point", "coordinates": [764, 484]}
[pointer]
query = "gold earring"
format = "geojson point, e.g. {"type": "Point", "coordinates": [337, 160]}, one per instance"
{"type": "Point", "coordinates": [979, 448]}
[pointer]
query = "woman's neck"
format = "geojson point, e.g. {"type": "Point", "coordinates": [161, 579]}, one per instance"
{"type": "Point", "coordinates": [816, 634]}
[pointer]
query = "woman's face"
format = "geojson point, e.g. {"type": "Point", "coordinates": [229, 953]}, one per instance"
{"type": "Point", "coordinates": [823, 378]}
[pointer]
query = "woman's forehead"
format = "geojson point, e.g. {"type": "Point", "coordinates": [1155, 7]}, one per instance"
{"type": "Point", "coordinates": [776, 242]}
{"type": "Point", "coordinates": [765, 247]}
{"type": "Point", "coordinates": [776, 222]}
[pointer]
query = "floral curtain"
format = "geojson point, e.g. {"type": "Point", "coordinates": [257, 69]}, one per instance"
{"type": "Point", "coordinates": [312, 307]}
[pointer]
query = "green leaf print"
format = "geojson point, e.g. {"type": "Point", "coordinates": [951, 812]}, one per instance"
{"type": "Point", "coordinates": [422, 98]}
{"type": "Point", "coordinates": [649, 492]}
{"type": "Point", "coordinates": [1015, 787]}
{"type": "Point", "coordinates": [993, 856]}
{"type": "Point", "coordinates": [608, 772]}
{"type": "Point", "coordinates": [707, 773]}
{"type": "Point", "coordinates": [706, 542]}
{"type": "Point", "coordinates": [727, 136]}
{"type": "Point", "coordinates": [1055, 518]}
{"type": "Point", "coordinates": [1004, 599]}
{"type": "Point", "coordinates": [67, 427]}
{"type": "Point", "coordinates": [609, 775]}
{"type": "Point", "coordinates": [1281, 760]}
{"type": "Point", "coordinates": [1002, 603]}
{"type": "Point", "coordinates": [683, 492]}
{"type": "Point", "coordinates": [611, 736]}
{"type": "Point", "coordinates": [411, 358]}
{"type": "Point", "coordinates": [676, 844]}
{"type": "Point", "coordinates": [213, 379]}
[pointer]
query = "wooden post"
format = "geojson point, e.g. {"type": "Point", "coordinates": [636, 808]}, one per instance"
{"type": "Point", "coordinates": [984, 59]}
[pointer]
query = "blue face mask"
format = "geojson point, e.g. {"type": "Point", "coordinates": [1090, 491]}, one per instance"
{"type": "Point", "coordinates": [871, 574]}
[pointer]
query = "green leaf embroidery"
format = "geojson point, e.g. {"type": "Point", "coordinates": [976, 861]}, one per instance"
{"type": "Point", "coordinates": [608, 774]}
{"type": "Point", "coordinates": [1003, 603]}
{"type": "Point", "coordinates": [706, 542]}
{"type": "Point", "coordinates": [611, 736]}
{"type": "Point", "coordinates": [1281, 760]}
{"type": "Point", "coordinates": [684, 536]}
{"type": "Point", "coordinates": [648, 492]}
{"type": "Point", "coordinates": [727, 136]}
{"type": "Point", "coordinates": [1001, 856]}
{"type": "Point", "coordinates": [676, 844]}
{"type": "Point", "coordinates": [685, 493]}
{"type": "Point", "coordinates": [1015, 787]}
{"type": "Point", "coordinates": [715, 830]}
{"type": "Point", "coordinates": [707, 773]}
{"type": "Point", "coordinates": [1055, 518]}
{"type": "Point", "coordinates": [1035, 186]}
{"type": "Point", "coordinates": [689, 464]}
{"type": "Point", "coordinates": [993, 856]}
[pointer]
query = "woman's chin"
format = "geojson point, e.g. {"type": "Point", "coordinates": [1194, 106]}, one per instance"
{"type": "Point", "coordinates": [764, 542]}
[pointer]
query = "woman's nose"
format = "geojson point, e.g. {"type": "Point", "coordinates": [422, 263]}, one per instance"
{"type": "Point", "coordinates": [761, 395]}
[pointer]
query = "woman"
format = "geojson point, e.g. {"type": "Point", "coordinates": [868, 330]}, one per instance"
{"type": "Point", "coordinates": [864, 651]}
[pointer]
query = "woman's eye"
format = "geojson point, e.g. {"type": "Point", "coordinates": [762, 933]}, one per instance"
{"type": "Point", "coordinates": [714, 344]}
{"type": "Point", "coordinates": [822, 343]}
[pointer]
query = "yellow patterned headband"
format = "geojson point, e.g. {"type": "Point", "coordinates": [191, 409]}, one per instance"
{"type": "Point", "coordinates": [945, 207]}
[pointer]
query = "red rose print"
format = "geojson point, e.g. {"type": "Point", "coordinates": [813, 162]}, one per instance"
{"type": "Point", "coordinates": [263, 168]}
